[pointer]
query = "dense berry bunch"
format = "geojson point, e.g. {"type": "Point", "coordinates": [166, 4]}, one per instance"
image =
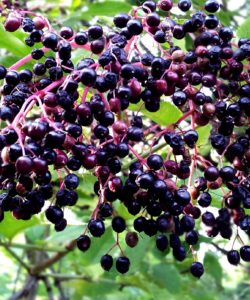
{"type": "Point", "coordinates": [62, 117]}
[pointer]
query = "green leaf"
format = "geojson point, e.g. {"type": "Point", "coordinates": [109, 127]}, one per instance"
{"type": "Point", "coordinates": [122, 211]}
{"type": "Point", "coordinates": [137, 255]}
{"type": "Point", "coordinates": [213, 267]}
{"type": "Point", "coordinates": [204, 133]}
{"type": "Point", "coordinates": [8, 60]}
{"type": "Point", "coordinates": [13, 42]}
{"type": "Point", "coordinates": [10, 227]}
{"type": "Point", "coordinates": [87, 183]}
{"type": "Point", "coordinates": [36, 232]}
{"type": "Point", "coordinates": [107, 8]}
{"type": "Point", "coordinates": [70, 232]}
{"type": "Point", "coordinates": [166, 276]}
{"type": "Point", "coordinates": [93, 290]}
{"type": "Point", "coordinates": [217, 198]}
{"type": "Point", "coordinates": [166, 115]}
{"type": "Point", "coordinates": [205, 239]}
{"type": "Point", "coordinates": [244, 29]}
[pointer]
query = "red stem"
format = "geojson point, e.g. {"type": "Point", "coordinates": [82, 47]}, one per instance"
{"type": "Point", "coordinates": [34, 96]}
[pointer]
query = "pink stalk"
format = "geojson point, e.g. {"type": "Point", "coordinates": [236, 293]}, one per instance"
{"type": "Point", "coordinates": [84, 95]}
{"type": "Point", "coordinates": [137, 156]}
{"type": "Point", "coordinates": [37, 94]}
{"type": "Point", "coordinates": [25, 60]}
{"type": "Point", "coordinates": [193, 163]}
{"type": "Point", "coordinates": [105, 101]}
{"type": "Point", "coordinates": [74, 45]}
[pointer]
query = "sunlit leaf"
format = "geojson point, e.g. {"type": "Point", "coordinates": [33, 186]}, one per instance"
{"type": "Point", "coordinates": [166, 115]}
{"type": "Point", "coordinates": [10, 227]}
{"type": "Point", "coordinates": [204, 133]}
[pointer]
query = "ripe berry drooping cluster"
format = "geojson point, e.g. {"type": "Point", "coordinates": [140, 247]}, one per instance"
{"type": "Point", "coordinates": [61, 117]}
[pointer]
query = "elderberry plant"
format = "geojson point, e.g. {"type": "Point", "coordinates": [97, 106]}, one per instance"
{"type": "Point", "coordinates": [62, 118]}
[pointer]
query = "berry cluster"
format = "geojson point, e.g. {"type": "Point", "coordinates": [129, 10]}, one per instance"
{"type": "Point", "coordinates": [69, 116]}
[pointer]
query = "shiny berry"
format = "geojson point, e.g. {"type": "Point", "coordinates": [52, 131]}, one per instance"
{"type": "Point", "coordinates": [122, 264]}
{"type": "Point", "coordinates": [106, 262]}
{"type": "Point", "coordinates": [118, 224]}
{"type": "Point", "coordinates": [83, 243]}
{"type": "Point", "coordinates": [233, 257]}
{"type": "Point", "coordinates": [162, 242]}
{"type": "Point", "coordinates": [155, 161]}
{"type": "Point", "coordinates": [245, 253]}
{"type": "Point", "coordinates": [54, 214]}
{"type": "Point", "coordinates": [197, 269]}
{"type": "Point", "coordinates": [96, 227]}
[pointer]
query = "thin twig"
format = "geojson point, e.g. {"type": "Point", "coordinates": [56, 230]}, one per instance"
{"type": "Point", "coordinates": [32, 247]}
{"type": "Point", "coordinates": [219, 248]}
{"type": "Point", "coordinates": [145, 154]}
{"type": "Point", "coordinates": [52, 260]}
{"type": "Point", "coordinates": [19, 259]}
{"type": "Point", "coordinates": [48, 288]}
{"type": "Point", "coordinates": [67, 277]}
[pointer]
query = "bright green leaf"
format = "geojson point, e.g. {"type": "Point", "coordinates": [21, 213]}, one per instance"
{"type": "Point", "coordinates": [166, 115]}
{"type": "Point", "coordinates": [213, 267]}
{"type": "Point", "coordinates": [166, 276]}
{"type": "Point", "coordinates": [204, 133]}
{"type": "Point", "coordinates": [244, 29]}
{"type": "Point", "coordinates": [13, 42]}
{"type": "Point", "coordinates": [70, 232]}
{"type": "Point", "coordinates": [107, 8]}
{"type": "Point", "coordinates": [10, 227]}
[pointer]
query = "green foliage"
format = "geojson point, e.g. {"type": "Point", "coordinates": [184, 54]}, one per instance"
{"type": "Point", "coordinates": [13, 42]}
{"type": "Point", "coordinates": [203, 133]}
{"type": "Point", "coordinates": [244, 29]}
{"type": "Point", "coordinates": [9, 228]}
{"type": "Point", "coordinates": [166, 115]}
{"type": "Point", "coordinates": [97, 9]}
{"type": "Point", "coordinates": [214, 268]}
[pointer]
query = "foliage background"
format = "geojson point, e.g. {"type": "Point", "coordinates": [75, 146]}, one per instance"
{"type": "Point", "coordinates": [153, 275]}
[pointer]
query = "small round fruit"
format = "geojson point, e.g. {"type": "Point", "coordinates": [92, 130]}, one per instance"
{"type": "Point", "coordinates": [122, 264]}
{"type": "Point", "coordinates": [184, 5]}
{"type": "Point", "coordinates": [83, 242]}
{"type": "Point", "coordinates": [106, 262]}
{"type": "Point", "coordinates": [162, 242]}
{"type": "Point", "coordinates": [71, 181]}
{"type": "Point", "coordinates": [245, 253]}
{"type": "Point", "coordinates": [140, 224]}
{"type": "Point", "coordinates": [54, 214]}
{"type": "Point", "coordinates": [131, 239]}
{"type": "Point", "coordinates": [118, 224]}
{"type": "Point", "coordinates": [96, 227]}
{"type": "Point", "coordinates": [212, 6]}
{"type": "Point", "coordinates": [24, 165]}
{"type": "Point", "coordinates": [12, 23]}
{"type": "Point", "coordinates": [155, 161]}
{"type": "Point", "coordinates": [211, 173]}
{"type": "Point", "coordinates": [233, 257]}
{"type": "Point", "coordinates": [197, 269]}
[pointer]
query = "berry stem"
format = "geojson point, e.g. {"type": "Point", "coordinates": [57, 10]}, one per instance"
{"type": "Point", "coordinates": [34, 96]}
{"type": "Point", "coordinates": [105, 101]}
{"type": "Point", "coordinates": [193, 163]}
{"type": "Point", "coordinates": [84, 94]}
{"type": "Point", "coordinates": [144, 154]}
{"type": "Point", "coordinates": [139, 158]}
{"type": "Point", "coordinates": [25, 60]}
{"type": "Point", "coordinates": [31, 247]}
